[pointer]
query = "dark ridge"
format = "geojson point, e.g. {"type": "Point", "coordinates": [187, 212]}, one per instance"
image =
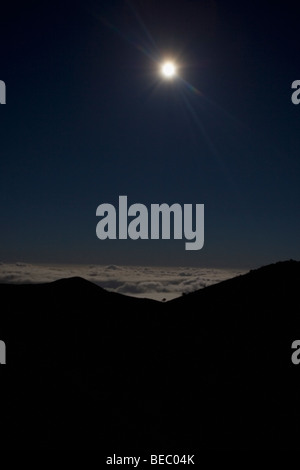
{"type": "Point", "coordinates": [280, 273]}
{"type": "Point", "coordinates": [79, 284]}
{"type": "Point", "coordinates": [74, 281]}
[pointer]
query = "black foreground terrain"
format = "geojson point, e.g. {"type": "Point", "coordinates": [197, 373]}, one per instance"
{"type": "Point", "coordinates": [89, 369]}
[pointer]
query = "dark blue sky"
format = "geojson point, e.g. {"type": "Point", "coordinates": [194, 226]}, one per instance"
{"type": "Point", "coordinates": [88, 118]}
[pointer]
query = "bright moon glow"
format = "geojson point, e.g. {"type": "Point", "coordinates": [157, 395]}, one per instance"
{"type": "Point", "coordinates": [168, 70]}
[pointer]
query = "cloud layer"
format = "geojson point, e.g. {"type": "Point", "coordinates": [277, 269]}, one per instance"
{"type": "Point", "coordinates": [152, 282]}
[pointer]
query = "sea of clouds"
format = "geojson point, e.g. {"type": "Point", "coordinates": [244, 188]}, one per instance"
{"type": "Point", "coordinates": [152, 282]}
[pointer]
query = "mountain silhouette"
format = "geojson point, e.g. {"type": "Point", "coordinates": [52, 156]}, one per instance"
{"type": "Point", "coordinates": [91, 369]}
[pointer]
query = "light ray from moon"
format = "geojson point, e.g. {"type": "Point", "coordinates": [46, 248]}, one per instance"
{"type": "Point", "coordinates": [169, 70]}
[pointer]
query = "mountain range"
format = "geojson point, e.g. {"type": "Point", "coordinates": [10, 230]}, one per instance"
{"type": "Point", "coordinates": [91, 369]}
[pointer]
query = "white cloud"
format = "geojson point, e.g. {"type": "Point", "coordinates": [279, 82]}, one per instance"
{"type": "Point", "coordinates": [140, 281]}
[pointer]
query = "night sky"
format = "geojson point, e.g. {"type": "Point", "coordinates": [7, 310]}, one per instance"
{"type": "Point", "coordinates": [89, 117]}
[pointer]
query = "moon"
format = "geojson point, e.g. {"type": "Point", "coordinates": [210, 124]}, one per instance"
{"type": "Point", "coordinates": [168, 69]}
